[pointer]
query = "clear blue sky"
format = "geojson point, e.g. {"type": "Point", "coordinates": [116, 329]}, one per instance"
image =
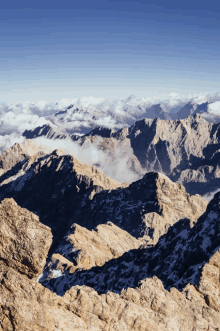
{"type": "Point", "coordinates": [67, 49]}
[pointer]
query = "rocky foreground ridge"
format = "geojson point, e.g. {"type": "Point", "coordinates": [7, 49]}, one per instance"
{"type": "Point", "coordinates": [27, 305]}
{"type": "Point", "coordinates": [80, 251]}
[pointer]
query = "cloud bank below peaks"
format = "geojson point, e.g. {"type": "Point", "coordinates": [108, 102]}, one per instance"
{"type": "Point", "coordinates": [114, 165]}
{"type": "Point", "coordinates": [86, 113]}
{"type": "Point", "coordinates": [82, 115]}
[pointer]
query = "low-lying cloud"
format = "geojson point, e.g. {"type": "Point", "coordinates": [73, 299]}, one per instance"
{"type": "Point", "coordinates": [114, 165]}
{"type": "Point", "coordinates": [210, 195]}
{"type": "Point", "coordinates": [90, 112]}
{"type": "Point", "coordinates": [82, 115]}
{"type": "Point", "coordinates": [214, 108]}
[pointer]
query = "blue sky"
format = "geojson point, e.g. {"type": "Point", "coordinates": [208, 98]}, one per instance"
{"type": "Point", "coordinates": [69, 49]}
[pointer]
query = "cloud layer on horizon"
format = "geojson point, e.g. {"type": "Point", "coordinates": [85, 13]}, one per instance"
{"type": "Point", "coordinates": [76, 115]}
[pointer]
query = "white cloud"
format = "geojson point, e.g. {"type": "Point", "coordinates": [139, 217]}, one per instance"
{"type": "Point", "coordinates": [14, 121]}
{"type": "Point", "coordinates": [114, 165]}
{"type": "Point", "coordinates": [107, 122]}
{"type": "Point", "coordinates": [16, 117]}
{"type": "Point", "coordinates": [112, 113]}
{"type": "Point", "coordinates": [90, 101]}
{"type": "Point", "coordinates": [174, 95]}
{"type": "Point", "coordinates": [209, 196]}
{"type": "Point", "coordinates": [199, 99]}
{"type": "Point", "coordinates": [214, 108]}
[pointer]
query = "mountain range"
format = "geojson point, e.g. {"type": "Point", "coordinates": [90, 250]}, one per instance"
{"type": "Point", "coordinates": [186, 150]}
{"type": "Point", "coordinates": [111, 227]}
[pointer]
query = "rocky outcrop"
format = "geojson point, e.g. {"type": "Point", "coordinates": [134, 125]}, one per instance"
{"type": "Point", "coordinates": [24, 240]}
{"type": "Point", "coordinates": [24, 304]}
{"type": "Point", "coordinates": [15, 155]}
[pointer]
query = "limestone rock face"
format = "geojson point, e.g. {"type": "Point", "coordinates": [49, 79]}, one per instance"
{"type": "Point", "coordinates": [24, 240]}
{"type": "Point", "coordinates": [24, 304]}
{"type": "Point", "coordinates": [162, 145]}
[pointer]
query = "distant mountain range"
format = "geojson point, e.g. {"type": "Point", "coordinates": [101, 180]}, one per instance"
{"type": "Point", "coordinates": [83, 116]}
{"type": "Point", "coordinates": [186, 150]}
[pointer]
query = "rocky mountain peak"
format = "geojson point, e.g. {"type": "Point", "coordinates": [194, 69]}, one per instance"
{"type": "Point", "coordinates": [12, 156]}
{"type": "Point", "coordinates": [101, 132]}
{"type": "Point", "coordinates": [46, 130]}
{"type": "Point", "coordinates": [58, 152]}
